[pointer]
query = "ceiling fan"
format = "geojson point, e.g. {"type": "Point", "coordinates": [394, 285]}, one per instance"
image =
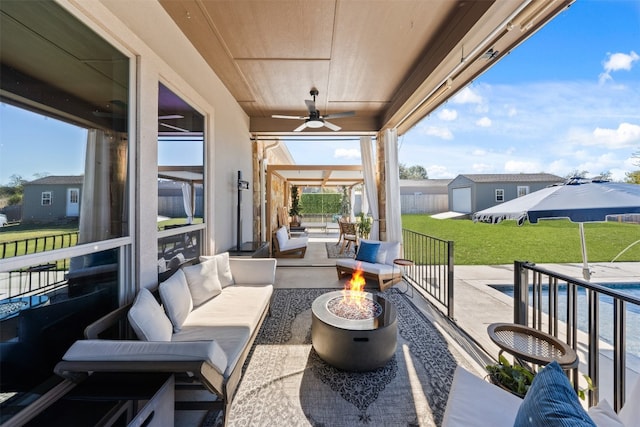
{"type": "Point", "coordinates": [315, 119]}
{"type": "Point", "coordinates": [121, 116]}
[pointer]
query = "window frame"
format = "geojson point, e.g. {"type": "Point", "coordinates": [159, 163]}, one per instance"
{"type": "Point", "coordinates": [46, 196]}
{"type": "Point", "coordinates": [499, 195]}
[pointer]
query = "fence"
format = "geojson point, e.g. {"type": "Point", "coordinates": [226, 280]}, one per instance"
{"type": "Point", "coordinates": [424, 203]}
{"type": "Point", "coordinates": [433, 266]}
{"type": "Point", "coordinates": [558, 299]}
{"type": "Point", "coordinates": [37, 244]}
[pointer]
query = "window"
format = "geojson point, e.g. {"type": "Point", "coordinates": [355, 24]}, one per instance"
{"type": "Point", "coordinates": [45, 200]}
{"type": "Point", "coordinates": [180, 180]}
{"type": "Point", "coordinates": [523, 190]}
{"type": "Point", "coordinates": [64, 93]}
{"type": "Point", "coordinates": [499, 195]}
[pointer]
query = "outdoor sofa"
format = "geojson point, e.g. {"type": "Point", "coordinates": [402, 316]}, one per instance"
{"type": "Point", "coordinates": [550, 401]}
{"type": "Point", "coordinates": [375, 259]}
{"type": "Point", "coordinates": [202, 328]}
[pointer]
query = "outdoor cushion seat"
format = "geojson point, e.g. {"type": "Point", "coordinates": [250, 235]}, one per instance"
{"type": "Point", "coordinates": [285, 246]}
{"type": "Point", "coordinates": [383, 270]}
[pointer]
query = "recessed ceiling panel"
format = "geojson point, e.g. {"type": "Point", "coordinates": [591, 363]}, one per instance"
{"type": "Point", "coordinates": [296, 29]}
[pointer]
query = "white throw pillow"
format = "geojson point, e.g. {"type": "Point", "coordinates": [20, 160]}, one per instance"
{"type": "Point", "coordinates": [283, 236]}
{"type": "Point", "coordinates": [224, 269]}
{"type": "Point", "coordinates": [162, 265]}
{"type": "Point", "coordinates": [203, 281]}
{"type": "Point", "coordinates": [604, 416]}
{"type": "Point", "coordinates": [148, 320]}
{"type": "Point", "coordinates": [176, 298]}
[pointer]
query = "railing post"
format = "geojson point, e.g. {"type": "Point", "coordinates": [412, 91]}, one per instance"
{"type": "Point", "coordinates": [450, 263]}
{"type": "Point", "coordinates": [520, 293]}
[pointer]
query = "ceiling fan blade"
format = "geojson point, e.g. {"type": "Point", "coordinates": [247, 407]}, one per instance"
{"type": "Point", "coordinates": [173, 127]}
{"type": "Point", "coordinates": [332, 126]}
{"type": "Point", "coordinates": [170, 116]}
{"type": "Point", "coordinates": [338, 115]}
{"type": "Point", "coordinates": [311, 105]}
{"type": "Point", "coordinates": [299, 128]}
{"type": "Point", "coordinates": [280, 116]}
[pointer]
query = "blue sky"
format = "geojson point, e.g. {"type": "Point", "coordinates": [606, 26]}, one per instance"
{"type": "Point", "coordinates": [567, 99]}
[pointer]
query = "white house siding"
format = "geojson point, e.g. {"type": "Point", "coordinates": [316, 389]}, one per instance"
{"type": "Point", "coordinates": [143, 30]}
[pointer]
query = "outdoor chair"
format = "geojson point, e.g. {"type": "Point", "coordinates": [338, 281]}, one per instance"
{"type": "Point", "coordinates": [348, 235]}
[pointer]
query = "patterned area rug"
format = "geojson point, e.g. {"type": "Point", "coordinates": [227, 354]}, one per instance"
{"type": "Point", "coordinates": [287, 384]}
{"type": "Point", "coordinates": [333, 251]}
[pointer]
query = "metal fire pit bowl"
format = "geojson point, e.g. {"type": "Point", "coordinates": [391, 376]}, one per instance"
{"type": "Point", "coordinates": [354, 343]}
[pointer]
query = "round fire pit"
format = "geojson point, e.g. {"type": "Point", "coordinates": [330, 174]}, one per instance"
{"type": "Point", "coordinates": [354, 331]}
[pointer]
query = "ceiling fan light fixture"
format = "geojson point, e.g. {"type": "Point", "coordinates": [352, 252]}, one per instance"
{"type": "Point", "coordinates": [315, 124]}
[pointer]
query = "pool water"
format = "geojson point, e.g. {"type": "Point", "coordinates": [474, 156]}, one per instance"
{"type": "Point", "coordinates": [605, 310]}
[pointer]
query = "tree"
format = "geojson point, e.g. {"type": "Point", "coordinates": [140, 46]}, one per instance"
{"type": "Point", "coordinates": [412, 172]}
{"type": "Point", "coordinates": [577, 174]}
{"type": "Point", "coordinates": [633, 177]}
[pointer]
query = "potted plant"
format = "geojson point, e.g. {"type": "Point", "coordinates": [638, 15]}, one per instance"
{"type": "Point", "coordinates": [513, 378]}
{"type": "Point", "coordinates": [295, 209]}
{"type": "Point", "coordinates": [345, 204]}
{"type": "Point", "coordinates": [363, 225]}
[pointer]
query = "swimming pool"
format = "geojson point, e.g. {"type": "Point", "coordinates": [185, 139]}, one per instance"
{"type": "Point", "coordinates": [605, 310]}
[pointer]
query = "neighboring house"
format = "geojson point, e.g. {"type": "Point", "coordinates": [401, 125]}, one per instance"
{"type": "Point", "coordinates": [51, 199]}
{"type": "Point", "coordinates": [424, 196]}
{"type": "Point", "coordinates": [171, 200]}
{"type": "Point", "coordinates": [473, 192]}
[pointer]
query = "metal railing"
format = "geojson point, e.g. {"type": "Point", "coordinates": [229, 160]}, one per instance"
{"type": "Point", "coordinates": [433, 266]}
{"type": "Point", "coordinates": [37, 244]}
{"type": "Point", "coordinates": [570, 309]}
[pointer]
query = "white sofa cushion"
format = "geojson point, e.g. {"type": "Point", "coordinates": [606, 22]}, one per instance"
{"type": "Point", "coordinates": [379, 269]}
{"type": "Point", "coordinates": [115, 350]}
{"type": "Point", "coordinates": [630, 411]}
{"type": "Point", "coordinates": [295, 243]}
{"type": "Point", "coordinates": [224, 270]}
{"type": "Point", "coordinates": [176, 298]}
{"type": "Point", "coordinates": [474, 402]}
{"type": "Point", "coordinates": [604, 416]}
{"type": "Point", "coordinates": [148, 319]}
{"type": "Point", "coordinates": [203, 281]}
{"type": "Point", "coordinates": [230, 318]}
{"type": "Point", "coordinates": [283, 236]}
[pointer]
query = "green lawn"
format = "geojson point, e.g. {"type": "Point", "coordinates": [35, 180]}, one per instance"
{"type": "Point", "coordinates": [548, 241]}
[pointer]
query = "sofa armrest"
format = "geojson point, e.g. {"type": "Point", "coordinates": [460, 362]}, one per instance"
{"type": "Point", "coordinates": [253, 271]}
{"type": "Point", "coordinates": [147, 351]}
{"type": "Point", "coordinates": [474, 402]}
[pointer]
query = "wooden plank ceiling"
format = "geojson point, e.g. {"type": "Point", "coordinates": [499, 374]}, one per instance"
{"type": "Point", "coordinates": [392, 62]}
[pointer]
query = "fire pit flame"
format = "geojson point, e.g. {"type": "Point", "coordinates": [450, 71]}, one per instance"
{"type": "Point", "coordinates": [355, 304]}
{"type": "Point", "coordinates": [353, 292]}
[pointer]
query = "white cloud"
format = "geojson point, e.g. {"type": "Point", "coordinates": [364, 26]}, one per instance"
{"type": "Point", "coordinates": [345, 153]}
{"type": "Point", "coordinates": [517, 166]}
{"type": "Point", "coordinates": [448, 115]}
{"type": "Point", "coordinates": [626, 135]}
{"type": "Point", "coordinates": [482, 167]}
{"type": "Point", "coordinates": [512, 111]}
{"type": "Point", "coordinates": [479, 152]}
{"type": "Point", "coordinates": [439, 172]}
{"type": "Point", "coordinates": [617, 62]}
{"type": "Point", "coordinates": [467, 96]}
{"type": "Point", "coordinates": [484, 122]}
{"type": "Point", "coordinates": [440, 132]}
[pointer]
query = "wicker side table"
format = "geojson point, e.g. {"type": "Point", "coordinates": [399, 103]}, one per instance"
{"type": "Point", "coordinates": [532, 345]}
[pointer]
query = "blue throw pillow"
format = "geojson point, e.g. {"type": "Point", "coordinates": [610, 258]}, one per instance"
{"type": "Point", "coordinates": [551, 401]}
{"type": "Point", "coordinates": [368, 252]}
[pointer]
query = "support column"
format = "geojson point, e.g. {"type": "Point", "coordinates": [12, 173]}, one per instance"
{"type": "Point", "coordinates": [382, 180]}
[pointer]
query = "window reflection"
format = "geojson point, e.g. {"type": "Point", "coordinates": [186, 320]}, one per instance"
{"type": "Point", "coordinates": [180, 180]}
